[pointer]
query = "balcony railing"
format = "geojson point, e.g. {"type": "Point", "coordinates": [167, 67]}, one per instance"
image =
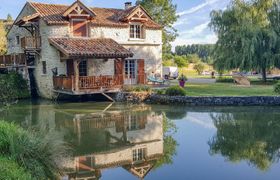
{"type": "Point", "coordinates": [87, 83]}
{"type": "Point", "coordinates": [31, 42]}
{"type": "Point", "coordinates": [12, 60]}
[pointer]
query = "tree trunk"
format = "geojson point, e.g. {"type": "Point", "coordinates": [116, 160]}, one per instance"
{"type": "Point", "coordinates": [264, 74]}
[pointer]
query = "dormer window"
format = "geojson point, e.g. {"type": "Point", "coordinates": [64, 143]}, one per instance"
{"type": "Point", "coordinates": [79, 27]}
{"type": "Point", "coordinates": [136, 31]}
{"type": "Point", "coordinates": [79, 15]}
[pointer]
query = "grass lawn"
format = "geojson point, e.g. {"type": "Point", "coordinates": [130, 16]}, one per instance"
{"type": "Point", "coordinates": [227, 89]}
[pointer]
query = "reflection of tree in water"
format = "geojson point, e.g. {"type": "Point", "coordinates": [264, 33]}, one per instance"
{"type": "Point", "coordinates": [254, 137]}
{"type": "Point", "coordinates": [176, 114]}
{"type": "Point", "coordinates": [169, 143]}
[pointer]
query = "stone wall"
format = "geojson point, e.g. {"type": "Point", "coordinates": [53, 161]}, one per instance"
{"type": "Point", "coordinates": [15, 31]}
{"type": "Point", "coordinates": [215, 101]}
{"type": "Point", "coordinates": [149, 49]}
{"type": "Point", "coordinates": [52, 58]}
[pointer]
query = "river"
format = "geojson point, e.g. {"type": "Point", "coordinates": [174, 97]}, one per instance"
{"type": "Point", "coordinates": [125, 141]}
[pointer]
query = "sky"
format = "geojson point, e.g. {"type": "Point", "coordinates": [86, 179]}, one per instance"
{"type": "Point", "coordinates": [192, 24]}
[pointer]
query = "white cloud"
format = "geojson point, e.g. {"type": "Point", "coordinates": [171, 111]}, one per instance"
{"type": "Point", "coordinates": [197, 8]}
{"type": "Point", "coordinates": [195, 30]}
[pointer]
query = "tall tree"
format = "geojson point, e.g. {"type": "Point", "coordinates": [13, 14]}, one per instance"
{"type": "Point", "coordinates": [164, 13]}
{"type": "Point", "coordinates": [246, 37]}
{"type": "Point", "coordinates": [9, 18]}
{"type": "Point", "coordinates": [3, 39]}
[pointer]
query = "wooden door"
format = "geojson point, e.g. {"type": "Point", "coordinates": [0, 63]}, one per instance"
{"type": "Point", "coordinates": [119, 70]}
{"type": "Point", "coordinates": [70, 67]}
{"type": "Point", "coordinates": [141, 78]}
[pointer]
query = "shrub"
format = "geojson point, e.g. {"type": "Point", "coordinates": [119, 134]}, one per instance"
{"type": "Point", "coordinates": [11, 170]}
{"type": "Point", "coordinates": [38, 154]}
{"type": "Point", "coordinates": [277, 87]}
{"type": "Point", "coordinates": [140, 88]}
{"type": "Point", "coordinates": [13, 86]}
{"type": "Point", "coordinates": [175, 91]}
{"type": "Point", "coordinates": [160, 91]}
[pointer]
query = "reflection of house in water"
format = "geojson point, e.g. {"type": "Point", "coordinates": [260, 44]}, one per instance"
{"type": "Point", "coordinates": [132, 140]}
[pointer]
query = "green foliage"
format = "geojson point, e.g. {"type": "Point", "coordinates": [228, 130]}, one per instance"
{"type": "Point", "coordinates": [182, 77]}
{"type": "Point", "coordinates": [13, 86]}
{"type": "Point", "coordinates": [3, 39]}
{"type": "Point", "coordinates": [248, 36]}
{"type": "Point", "coordinates": [9, 18]}
{"type": "Point", "coordinates": [193, 58]}
{"type": "Point", "coordinates": [277, 87]}
{"type": "Point", "coordinates": [168, 60]}
{"type": "Point", "coordinates": [169, 143]}
{"type": "Point", "coordinates": [164, 13]}
{"type": "Point", "coordinates": [181, 61]}
{"type": "Point", "coordinates": [243, 135]}
{"type": "Point", "coordinates": [160, 91]}
{"type": "Point", "coordinates": [199, 68]}
{"type": "Point", "coordinates": [175, 91]}
{"type": "Point", "coordinates": [10, 170]}
{"type": "Point", "coordinates": [224, 80]}
{"type": "Point", "coordinates": [203, 51]}
{"type": "Point", "coordinates": [139, 88]}
{"type": "Point", "coordinates": [39, 154]}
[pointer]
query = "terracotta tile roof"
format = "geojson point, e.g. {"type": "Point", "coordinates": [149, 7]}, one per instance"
{"type": "Point", "coordinates": [88, 47]}
{"type": "Point", "coordinates": [53, 15]}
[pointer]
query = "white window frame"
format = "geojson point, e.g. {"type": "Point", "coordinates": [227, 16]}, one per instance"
{"type": "Point", "coordinates": [135, 31]}
{"type": "Point", "coordinates": [139, 154]}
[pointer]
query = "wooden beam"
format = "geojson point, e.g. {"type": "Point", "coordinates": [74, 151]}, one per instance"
{"type": "Point", "coordinates": [76, 73]}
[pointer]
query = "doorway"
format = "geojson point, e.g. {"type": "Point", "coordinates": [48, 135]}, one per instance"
{"type": "Point", "coordinates": [130, 72]}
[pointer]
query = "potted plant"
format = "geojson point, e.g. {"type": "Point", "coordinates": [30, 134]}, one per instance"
{"type": "Point", "coordinates": [182, 80]}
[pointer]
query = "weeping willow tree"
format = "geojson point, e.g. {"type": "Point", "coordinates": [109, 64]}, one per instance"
{"type": "Point", "coordinates": [248, 36]}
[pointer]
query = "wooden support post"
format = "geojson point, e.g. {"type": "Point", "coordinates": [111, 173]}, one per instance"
{"type": "Point", "coordinates": [76, 74]}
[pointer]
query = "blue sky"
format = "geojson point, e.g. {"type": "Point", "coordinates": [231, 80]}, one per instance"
{"type": "Point", "coordinates": [192, 25]}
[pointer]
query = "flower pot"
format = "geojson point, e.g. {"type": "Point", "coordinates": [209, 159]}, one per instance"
{"type": "Point", "coordinates": [182, 83]}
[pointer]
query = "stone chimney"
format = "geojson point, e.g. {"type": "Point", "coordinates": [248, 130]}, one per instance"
{"type": "Point", "coordinates": [127, 5]}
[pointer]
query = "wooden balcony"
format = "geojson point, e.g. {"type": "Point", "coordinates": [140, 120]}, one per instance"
{"type": "Point", "coordinates": [31, 43]}
{"type": "Point", "coordinates": [15, 60]}
{"type": "Point", "coordinates": [87, 84]}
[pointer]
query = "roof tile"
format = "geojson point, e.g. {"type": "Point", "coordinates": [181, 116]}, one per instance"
{"type": "Point", "coordinates": [53, 15]}
{"type": "Point", "coordinates": [88, 47]}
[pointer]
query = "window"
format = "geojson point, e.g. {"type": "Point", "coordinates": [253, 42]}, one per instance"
{"type": "Point", "coordinates": [79, 27]}
{"type": "Point", "coordinates": [135, 31]}
{"type": "Point", "coordinates": [17, 40]}
{"type": "Point", "coordinates": [44, 67]}
{"type": "Point", "coordinates": [139, 154]}
{"type": "Point", "coordinates": [83, 68]}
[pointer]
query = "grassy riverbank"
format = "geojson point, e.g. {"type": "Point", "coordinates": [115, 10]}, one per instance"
{"type": "Point", "coordinates": [30, 154]}
{"type": "Point", "coordinates": [228, 89]}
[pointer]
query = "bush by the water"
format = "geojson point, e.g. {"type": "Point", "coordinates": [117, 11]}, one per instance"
{"type": "Point", "coordinates": [9, 169]}
{"type": "Point", "coordinates": [175, 91]}
{"type": "Point", "coordinates": [140, 88]}
{"type": "Point", "coordinates": [38, 154]}
{"type": "Point", "coordinates": [13, 86]}
{"type": "Point", "coordinates": [277, 87]}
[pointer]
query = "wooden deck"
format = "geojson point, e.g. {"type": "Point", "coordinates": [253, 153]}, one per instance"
{"type": "Point", "coordinates": [87, 84]}
{"type": "Point", "coordinates": [31, 43]}
{"type": "Point", "coordinates": [15, 60]}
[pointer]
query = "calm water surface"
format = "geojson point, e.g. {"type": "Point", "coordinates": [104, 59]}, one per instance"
{"type": "Point", "coordinates": [121, 141]}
